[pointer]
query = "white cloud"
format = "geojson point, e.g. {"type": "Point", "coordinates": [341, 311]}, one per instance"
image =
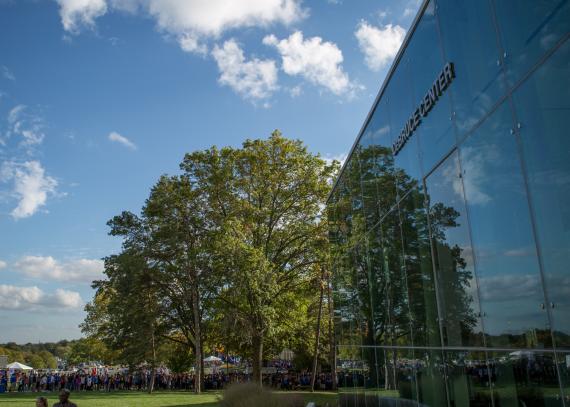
{"type": "Point", "coordinates": [412, 8]}
{"type": "Point", "coordinates": [379, 44]}
{"type": "Point", "coordinates": [7, 74]}
{"type": "Point", "coordinates": [190, 21]}
{"type": "Point", "coordinates": [191, 43]}
{"type": "Point", "coordinates": [128, 6]}
{"type": "Point", "coordinates": [15, 113]}
{"type": "Point", "coordinates": [212, 17]}
{"type": "Point", "coordinates": [76, 14]}
{"type": "Point", "coordinates": [295, 91]}
{"type": "Point", "coordinates": [29, 127]}
{"type": "Point", "coordinates": [31, 186]}
{"type": "Point", "coordinates": [341, 158]}
{"type": "Point", "coordinates": [382, 14]}
{"type": "Point", "coordinates": [3, 264]}
{"type": "Point", "coordinates": [317, 61]}
{"type": "Point", "coordinates": [117, 138]}
{"type": "Point", "coordinates": [33, 298]}
{"type": "Point", "coordinates": [409, 11]}
{"type": "Point", "coordinates": [47, 268]}
{"type": "Point", "coordinates": [254, 79]}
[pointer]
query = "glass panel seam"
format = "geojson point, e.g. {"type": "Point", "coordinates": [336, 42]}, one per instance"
{"type": "Point", "coordinates": [532, 216]}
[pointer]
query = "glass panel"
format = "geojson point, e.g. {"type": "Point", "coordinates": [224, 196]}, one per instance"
{"type": "Point", "coordinates": [378, 286]}
{"type": "Point", "coordinates": [504, 248]}
{"type": "Point", "coordinates": [401, 105]}
{"type": "Point", "coordinates": [371, 356]}
{"type": "Point", "coordinates": [451, 244]}
{"type": "Point", "coordinates": [434, 131]}
{"type": "Point", "coordinates": [529, 28]}
{"type": "Point", "coordinates": [351, 370]}
{"type": "Point", "coordinates": [352, 174]}
{"type": "Point", "coordinates": [368, 173]}
{"type": "Point", "coordinates": [363, 300]}
{"type": "Point", "coordinates": [478, 84]}
{"type": "Point", "coordinates": [564, 371]}
{"type": "Point", "coordinates": [418, 272]}
{"type": "Point", "coordinates": [343, 269]}
{"type": "Point", "coordinates": [524, 378]}
{"type": "Point", "coordinates": [468, 379]}
{"type": "Point", "coordinates": [400, 377]}
{"type": "Point", "coordinates": [543, 107]}
{"type": "Point", "coordinates": [357, 300]}
{"type": "Point", "coordinates": [430, 373]}
{"type": "Point", "coordinates": [397, 308]}
{"type": "Point", "coordinates": [377, 166]}
{"type": "Point", "coordinates": [344, 209]}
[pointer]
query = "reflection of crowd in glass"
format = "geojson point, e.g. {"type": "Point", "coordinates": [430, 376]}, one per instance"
{"type": "Point", "coordinates": [523, 371]}
{"type": "Point", "coordinates": [298, 381]}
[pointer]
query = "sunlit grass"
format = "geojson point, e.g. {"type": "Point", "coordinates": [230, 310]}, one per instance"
{"type": "Point", "coordinates": [136, 399]}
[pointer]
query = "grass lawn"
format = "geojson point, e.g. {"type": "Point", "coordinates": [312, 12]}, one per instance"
{"type": "Point", "coordinates": [136, 399]}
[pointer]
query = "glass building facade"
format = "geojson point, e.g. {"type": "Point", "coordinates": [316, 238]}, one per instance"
{"type": "Point", "coordinates": [450, 221]}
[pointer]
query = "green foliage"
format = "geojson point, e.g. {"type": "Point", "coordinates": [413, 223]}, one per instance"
{"type": "Point", "coordinates": [179, 359]}
{"type": "Point", "coordinates": [37, 355]}
{"type": "Point", "coordinates": [227, 255]}
{"type": "Point", "coordinates": [265, 201]}
{"type": "Point", "coordinates": [87, 350]}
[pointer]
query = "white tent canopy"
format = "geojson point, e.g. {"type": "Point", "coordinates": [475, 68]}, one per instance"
{"type": "Point", "coordinates": [212, 359]}
{"type": "Point", "coordinates": [18, 366]}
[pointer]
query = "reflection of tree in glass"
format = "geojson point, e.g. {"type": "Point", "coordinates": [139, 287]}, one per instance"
{"type": "Point", "coordinates": [383, 272]}
{"type": "Point", "coordinates": [455, 279]}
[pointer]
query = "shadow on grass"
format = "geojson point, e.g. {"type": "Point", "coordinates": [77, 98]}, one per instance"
{"type": "Point", "coordinates": [193, 405]}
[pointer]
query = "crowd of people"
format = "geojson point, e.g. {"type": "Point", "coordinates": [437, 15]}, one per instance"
{"type": "Point", "coordinates": [102, 380]}
{"type": "Point", "coordinates": [35, 381]}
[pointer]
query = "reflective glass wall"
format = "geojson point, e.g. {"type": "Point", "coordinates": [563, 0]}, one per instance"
{"type": "Point", "coordinates": [450, 222]}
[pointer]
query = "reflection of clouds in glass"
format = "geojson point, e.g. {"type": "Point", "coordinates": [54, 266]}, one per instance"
{"type": "Point", "coordinates": [550, 178]}
{"type": "Point", "coordinates": [475, 176]}
{"type": "Point", "coordinates": [480, 104]}
{"type": "Point", "coordinates": [520, 252]}
{"type": "Point", "coordinates": [382, 131]}
{"type": "Point", "coordinates": [467, 255]}
{"type": "Point", "coordinates": [548, 41]}
{"type": "Point", "coordinates": [558, 288]}
{"type": "Point", "coordinates": [509, 287]}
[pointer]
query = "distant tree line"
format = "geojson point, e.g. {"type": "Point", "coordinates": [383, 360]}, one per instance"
{"type": "Point", "coordinates": [44, 355]}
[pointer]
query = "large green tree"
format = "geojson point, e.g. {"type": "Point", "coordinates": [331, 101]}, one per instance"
{"type": "Point", "coordinates": [265, 201]}
{"type": "Point", "coordinates": [229, 251]}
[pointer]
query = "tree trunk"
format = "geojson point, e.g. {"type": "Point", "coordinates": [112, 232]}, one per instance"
{"type": "Point", "coordinates": [317, 338]}
{"type": "Point", "coordinates": [386, 371]}
{"type": "Point", "coordinates": [198, 340]}
{"type": "Point", "coordinates": [331, 335]}
{"type": "Point", "coordinates": [151, 384]}
{"type": "Point", "coordinates": [257, 343]}
{"type": "Point", "coordinates": [153, 371]}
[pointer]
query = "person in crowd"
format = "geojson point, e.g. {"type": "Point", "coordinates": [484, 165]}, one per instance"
{"type": "Point", "coordinates": [64, 399]}
{"type": "Point", "coordinates": [41, 402]}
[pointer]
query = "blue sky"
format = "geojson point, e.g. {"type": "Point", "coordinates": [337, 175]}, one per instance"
{"type": "Point", "coordinates": [98, 98]}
